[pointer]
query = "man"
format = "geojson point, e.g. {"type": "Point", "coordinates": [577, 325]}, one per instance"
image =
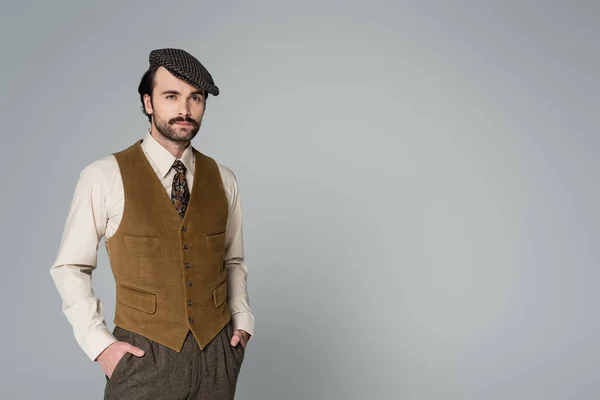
{"type": "Point", "coordinates": [171, 219]}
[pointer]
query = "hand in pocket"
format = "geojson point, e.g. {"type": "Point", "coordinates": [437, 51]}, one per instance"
{"type": "Point", "coordinates": [111, 356]}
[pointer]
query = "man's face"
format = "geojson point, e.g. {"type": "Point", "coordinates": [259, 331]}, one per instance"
{"type": "Point", "coordinates": [176, 107]}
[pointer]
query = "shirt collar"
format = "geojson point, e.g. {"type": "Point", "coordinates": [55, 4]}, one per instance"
{"type": "Point", "coordinates": [162, 158]}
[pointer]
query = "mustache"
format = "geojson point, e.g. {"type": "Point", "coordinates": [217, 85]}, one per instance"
{"type": "Point", "coordinates": [181, 119]}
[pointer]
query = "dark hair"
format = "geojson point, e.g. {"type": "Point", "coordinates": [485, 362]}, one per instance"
{"type": "Point", "coordinates": [147, 86]}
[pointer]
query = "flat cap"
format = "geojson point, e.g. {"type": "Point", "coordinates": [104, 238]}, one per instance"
{"type": "Point", "coordinates": [185, 67]}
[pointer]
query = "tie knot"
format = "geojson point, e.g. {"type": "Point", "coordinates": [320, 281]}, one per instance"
{"type": "Point", "coordinates": [178, 166]}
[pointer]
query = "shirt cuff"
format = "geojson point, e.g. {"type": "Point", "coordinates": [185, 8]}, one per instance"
{"type": "Point", "coordinates": [95, 342]}
{"type": "Point", "coordinates": [243, 321]}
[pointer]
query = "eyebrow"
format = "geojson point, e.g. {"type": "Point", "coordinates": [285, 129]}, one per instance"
{"type": "Point", "coordinates": [176, 92]}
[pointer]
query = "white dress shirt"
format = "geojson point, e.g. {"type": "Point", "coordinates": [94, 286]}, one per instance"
{"type": "Point", "coordinates": [96, 211]}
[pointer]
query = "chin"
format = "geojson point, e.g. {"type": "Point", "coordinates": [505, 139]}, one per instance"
{"type": "Point", "coordinates": [187, 137]}
{"type": "Point", "coordinates": [183, 133]}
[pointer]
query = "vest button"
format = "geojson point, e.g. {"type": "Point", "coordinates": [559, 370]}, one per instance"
{"type": "Point", "coordinates": [187, 265]}
{"type": "Point", "coordinates": [191, 320]}
{"type": "Point", "coordinates": [189, 283]}
{"type": "Point", "coordinates": [185, 246]}
{"type": "Point", "coordinates": [184, 228]}
{"type": "Point", "coordinates": [189, 302]}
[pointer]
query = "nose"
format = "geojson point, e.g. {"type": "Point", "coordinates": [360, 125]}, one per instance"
{"type": "Point", "coordinates": [184, 109]}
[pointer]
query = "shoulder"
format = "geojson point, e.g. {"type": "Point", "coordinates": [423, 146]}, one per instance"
{"type": "Point", "coordinates": [227, 176]}
{"type": "Point", "coordinates": [227, 173]}
{"type": "Point", "coordinates": [229, 179]}
{"type": "Point", "coordinates": [103, 170]}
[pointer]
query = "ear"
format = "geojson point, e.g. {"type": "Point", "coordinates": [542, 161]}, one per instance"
{"type": "Point", "coordinates": [148, 104]}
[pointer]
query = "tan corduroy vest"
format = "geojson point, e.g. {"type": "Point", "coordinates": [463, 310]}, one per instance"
{"type": "Point", "coordinates": [169, 272]}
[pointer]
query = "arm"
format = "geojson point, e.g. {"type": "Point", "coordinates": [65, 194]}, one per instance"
{"type": "Point", "coordinates": [76, 260]}
{"type": "Point", "coordinates": [237, 272]}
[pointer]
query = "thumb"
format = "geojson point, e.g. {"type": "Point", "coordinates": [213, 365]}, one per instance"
{"type": "Point", "coordinates": [136, 351]}
{"type": "Point", "coordinates": [235, 339]}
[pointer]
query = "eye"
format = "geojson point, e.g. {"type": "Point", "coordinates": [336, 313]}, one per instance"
{"type": "Point", "coordinates": [196, 98]}
{"type": "Point", "coordinates": [171, 96]}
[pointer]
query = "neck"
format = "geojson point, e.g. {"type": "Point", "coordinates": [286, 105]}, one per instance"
{"type": "Point", "coordinates": [175, 148]}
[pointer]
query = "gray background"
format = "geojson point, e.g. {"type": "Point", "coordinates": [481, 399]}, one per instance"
{"type": "Point", "coordinates": [419, 183]}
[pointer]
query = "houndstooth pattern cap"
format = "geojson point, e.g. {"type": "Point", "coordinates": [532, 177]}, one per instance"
{"type": "Point", "coordinates": [185, 67]}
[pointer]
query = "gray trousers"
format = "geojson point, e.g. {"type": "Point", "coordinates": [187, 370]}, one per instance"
{"type": "Point", "coordinates": [163, 374]}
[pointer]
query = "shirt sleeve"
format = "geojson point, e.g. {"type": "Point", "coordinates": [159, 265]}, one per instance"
{"type": "Point", "coordinates": [237, 271]}
{"type": "Point", "coordinates": [77, 258]}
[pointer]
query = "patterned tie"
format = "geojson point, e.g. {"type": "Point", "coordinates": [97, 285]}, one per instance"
{"type": "Point", "coordinates": [180, 195]}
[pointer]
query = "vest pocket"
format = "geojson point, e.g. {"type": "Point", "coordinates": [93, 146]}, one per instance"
{"type": "Point", "coordinates": [140, 299]}
{"type": "Point", "coordinates": [215, 247]}
{"type": "Point", "coordinates": [217, 239]}
{"type": "Point", "coordinates": [220, 293]}
{"type": "Point", "coordinates": [141, 245]}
